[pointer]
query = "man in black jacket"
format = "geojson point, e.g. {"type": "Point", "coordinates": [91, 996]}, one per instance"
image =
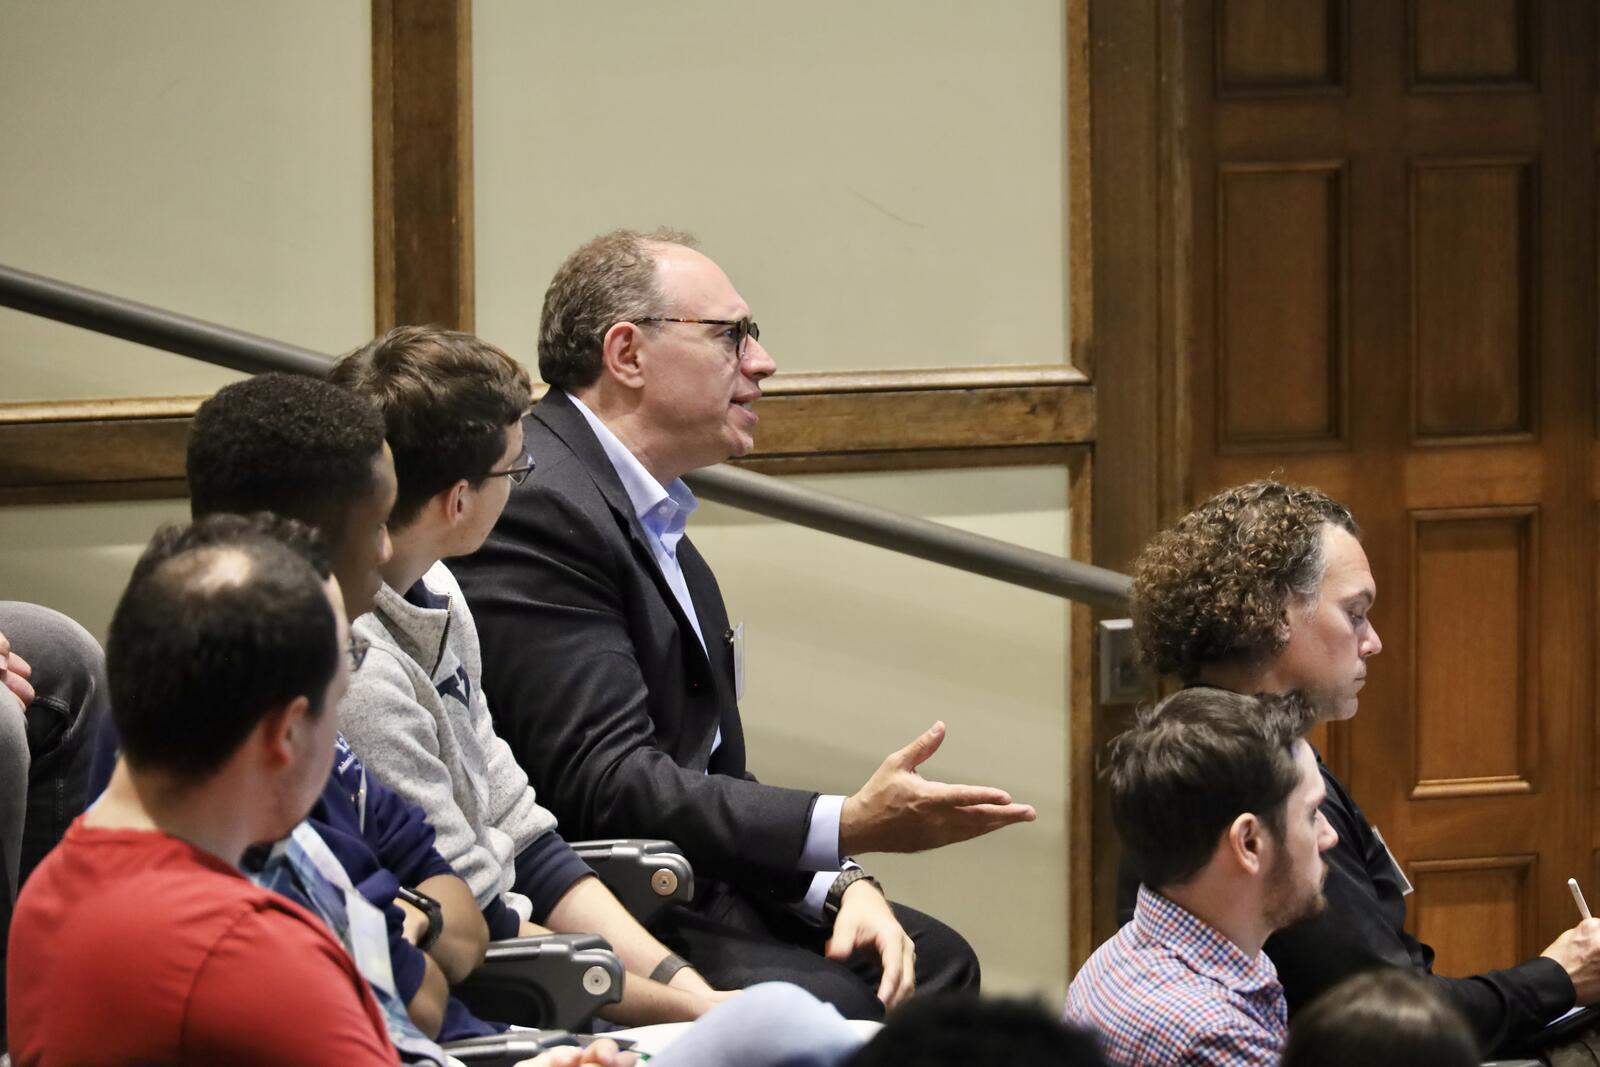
{"type": "Point", "coordinates": [612, 669]}
{"type": "Point", "coordinates": [1265, 589]}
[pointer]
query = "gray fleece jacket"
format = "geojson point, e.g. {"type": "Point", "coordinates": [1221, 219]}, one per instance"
{"type": "Point", "coordinates": [417, 717]}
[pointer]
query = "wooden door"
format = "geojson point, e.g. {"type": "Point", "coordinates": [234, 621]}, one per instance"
{"type": "Point", "coordinates": [1394, 299]}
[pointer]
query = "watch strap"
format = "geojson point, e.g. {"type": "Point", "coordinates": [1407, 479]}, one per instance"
{"type": "Point", "coordinates": [846, 879]}
{"type": "Point", "coordinates": [670, 965]}
{"type": "Point", "coordinates": [429, 907]}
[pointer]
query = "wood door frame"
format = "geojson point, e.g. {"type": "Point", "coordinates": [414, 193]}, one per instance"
{"type": "Point", "coordinates": [422, 179]}
{"type": "Point", "coordinates": [1142, 206]}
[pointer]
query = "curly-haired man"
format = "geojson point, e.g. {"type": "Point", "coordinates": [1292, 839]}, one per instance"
{"type": "Point", "coordinates": [1265, 588]}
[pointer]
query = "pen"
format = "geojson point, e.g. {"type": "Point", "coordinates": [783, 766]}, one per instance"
{"type": "Point", "coordinates": [1577, 898]}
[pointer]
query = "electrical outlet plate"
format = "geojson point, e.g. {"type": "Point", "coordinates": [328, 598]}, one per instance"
{"type": "Point", "coordinates": [1123, 680]}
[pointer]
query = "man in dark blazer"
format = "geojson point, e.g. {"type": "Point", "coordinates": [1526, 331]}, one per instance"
{"type": "Point", "coordinates": [610, 665]}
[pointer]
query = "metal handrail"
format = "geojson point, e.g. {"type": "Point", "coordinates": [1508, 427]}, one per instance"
{"type": "Point", "coordinates": [238, 350]}
{"type": "Point", "coordinates": [913, 536]}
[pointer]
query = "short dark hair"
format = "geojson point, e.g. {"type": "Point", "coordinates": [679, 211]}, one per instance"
{"type": "Point", "coordinates": [446, 400]}
{"type": "Point", "coordinates": [611, 279]}
{"type": "Point", "coordinates": [1191, 765]}
{"type": "Point", "coordinates": [964, 1031]}
{"type": "Point", "coordinates": [1215, 586]}
{"type": "Point", "coordinates": [298, 446]}
{"type": "Point", "coordinates": [225, 528]}
{"type": "Point", "coordinates": [223, 621]}
{"type": "Point", "coordinates": [1383, 1018]}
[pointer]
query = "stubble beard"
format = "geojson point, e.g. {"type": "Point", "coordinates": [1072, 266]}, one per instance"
{"type": "Point", "coordinates": [1288, 903]}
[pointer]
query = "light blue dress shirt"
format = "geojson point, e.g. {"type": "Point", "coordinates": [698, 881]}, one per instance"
{"type": "Point", "coordinates": [663, 513]}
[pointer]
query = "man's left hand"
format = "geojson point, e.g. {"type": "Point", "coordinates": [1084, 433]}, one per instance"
{"type": "Point", "coordinates": [865, 920]}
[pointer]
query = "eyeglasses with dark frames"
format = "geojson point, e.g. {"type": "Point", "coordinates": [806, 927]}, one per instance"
{"type": "Point", "coordinates": [744, 329]}
{"type": "Point", "coordinates": [358, 651]}
{"type": "Point", "coordinates": [519, 473]}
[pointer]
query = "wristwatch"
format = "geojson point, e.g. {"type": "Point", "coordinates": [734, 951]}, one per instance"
{"type": "Point", "coordinates": [429, 907]}
{"type": "Point", "coordinates": [846, 879]}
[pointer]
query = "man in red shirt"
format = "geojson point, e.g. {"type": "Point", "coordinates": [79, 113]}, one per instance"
{"type": "Point", "coordinates": [138, 940]}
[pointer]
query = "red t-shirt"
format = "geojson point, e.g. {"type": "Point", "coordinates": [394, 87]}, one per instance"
{"type": "Point", "coordinates": [130, 946]}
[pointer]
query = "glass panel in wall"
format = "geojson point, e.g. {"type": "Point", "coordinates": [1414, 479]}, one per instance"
{"type": "Point", "coordinates": [209, 157]}
{"type": "Point", "coordinates": [884, 182]}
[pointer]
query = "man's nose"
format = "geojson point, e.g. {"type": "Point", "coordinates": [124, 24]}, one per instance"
{"type": "Point", "coordinates": [1373, 644]}
{"type": "Point", "coordinates": [385, 546]}
{"type": "Point", "coordinates": [1328, 838]}
{"type": "Point", "coordinates": [757, 363]}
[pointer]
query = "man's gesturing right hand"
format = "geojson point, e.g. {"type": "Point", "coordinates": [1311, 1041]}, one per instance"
{"type": "Point", "coordinates": [898, 810]}
{"type": "Point", "coordinates": [1578, 950]}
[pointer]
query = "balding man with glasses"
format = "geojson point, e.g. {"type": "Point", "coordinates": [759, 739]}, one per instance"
{"type": "Point", "coordinates": [613, 670]}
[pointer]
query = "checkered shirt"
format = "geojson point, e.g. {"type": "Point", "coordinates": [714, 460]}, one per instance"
{"type": "Point", "coordinates": [1169, 989]}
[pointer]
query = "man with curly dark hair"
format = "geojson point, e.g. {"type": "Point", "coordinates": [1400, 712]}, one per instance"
{"type": "Point", "coordinates": [1233, 594]}
{"type": "Point", "coordinates": [1265, 588]}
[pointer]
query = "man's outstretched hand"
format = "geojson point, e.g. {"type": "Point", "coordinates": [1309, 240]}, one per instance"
{"type": "Point", "coordinates": [898, 810]}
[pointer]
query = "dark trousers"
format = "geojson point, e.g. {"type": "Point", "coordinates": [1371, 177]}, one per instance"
{"type": "Point", "coordinates": [736, 942]}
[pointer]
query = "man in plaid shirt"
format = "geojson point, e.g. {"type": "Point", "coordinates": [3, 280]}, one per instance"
{"type": "Point", "coordinates": [1215, 795]}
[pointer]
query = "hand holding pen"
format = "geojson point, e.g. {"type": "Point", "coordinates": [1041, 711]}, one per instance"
{"type": "Point", "coordinates": [1578, 951]}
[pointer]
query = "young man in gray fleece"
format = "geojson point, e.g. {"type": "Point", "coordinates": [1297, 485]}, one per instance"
{"type": "Point", "coordinates": [415, 712]}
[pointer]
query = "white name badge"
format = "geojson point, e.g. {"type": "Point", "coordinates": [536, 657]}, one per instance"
{"type": "Point", "coordinates": [1405, 883]}
{"type": "Point", "coordinates": [737, 641]}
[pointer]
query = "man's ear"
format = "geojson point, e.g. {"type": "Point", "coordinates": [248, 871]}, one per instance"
{"type": "Point", "coordinates": [1246, 842]}
{"type": "Point", "coordinates": [455, 501]}
{"type": "Point", "coordinates": [622, 354]}
{"type": "Point", "coordinates": [279, 731]}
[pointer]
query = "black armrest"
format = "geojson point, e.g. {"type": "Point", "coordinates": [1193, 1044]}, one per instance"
{"type": "Point", "coordinates": [507, 1050]}
{"type": "Point", "coordinates": [557, 981]}
{"type": "Point", "coordinates": [645, 875]}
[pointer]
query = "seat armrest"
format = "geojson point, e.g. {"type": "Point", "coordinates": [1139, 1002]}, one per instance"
{"type": "Point", "coordinates": [557, 981]}
{"type": "Point", "coordinates": [507, 1050]}
{"type": "Point", "coordinates": [645, 875]}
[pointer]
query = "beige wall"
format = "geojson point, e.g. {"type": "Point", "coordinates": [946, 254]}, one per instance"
{"type": "Point", "coordinates": [852, 651]}
{"type": "Point", "coordinates": [77, 557]}
{"type": "Point", "coordinates": [883, 181]}
{"type": "Point", "coordinates": [209, 156]}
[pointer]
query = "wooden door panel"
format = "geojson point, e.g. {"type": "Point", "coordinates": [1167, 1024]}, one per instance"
{"type": "Point", "coordinates": [1476, 911]}
{"type": "Point", "coordinates": [1437, 829]}
{"type": "Point", "coordinates": [1274, 46]}
{"type": "Point", "coordinates": [1473, 235]}
{"type": "Point", "coordinates": [1393, 298]}
{"type": "Point", "coordinates": [1474, 627]}
{"type": "Point", "coordinates": [1280, 304]}
{"type": "Point", "coordinates": [1472, 45]}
